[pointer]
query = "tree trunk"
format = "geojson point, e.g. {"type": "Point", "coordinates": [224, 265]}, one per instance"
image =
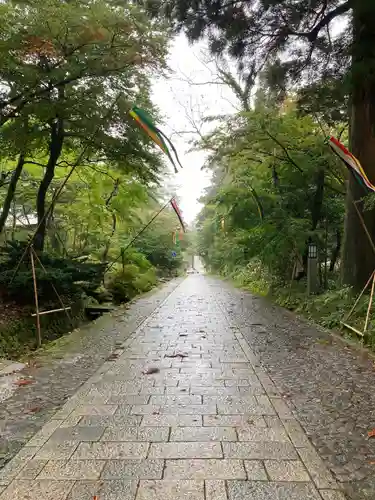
{"type": "Point", "coordinates": [358, 255]}
{"type": "Point", "coordinates": [11, 190]}
{"type": "Point", "coordinates": [55, 148]}
{"type": "Point", "coordinates": [335, 251]}
{"type": "Point", "coordinates": [108, 244]}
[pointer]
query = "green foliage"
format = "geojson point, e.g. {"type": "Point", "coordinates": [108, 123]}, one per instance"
{"type": "Point", "coordinates": [297, 180]}
{"type": "Point", "coordinates": [70, 277]}
{"type": "Point", "coordinates": [157, 245]}
{"type": "Point", "coordinates": [129, 282]}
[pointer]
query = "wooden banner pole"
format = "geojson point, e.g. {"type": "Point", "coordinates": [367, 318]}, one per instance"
{"type": "Point", "coordinates": [36, 297]}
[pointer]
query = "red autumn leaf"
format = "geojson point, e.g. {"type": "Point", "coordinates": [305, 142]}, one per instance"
{"type": "Point", "coordinates": [23, 381]}
{"type": "Point", "coordinates": [34, 409]}
{"type": "Point", "coordinates": [371, 434]}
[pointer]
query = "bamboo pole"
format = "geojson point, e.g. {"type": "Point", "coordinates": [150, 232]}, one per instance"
{"type": "Point", "coordinates": [53, 287]}
{"type": "Point", "coordinates": [369, 304]}
{"type": "Point", "coordinates": [36, 298]}
{"type": "Point", "coordinates": [41, 313]}
{"type": "Point", "coordinates": [358, 298]}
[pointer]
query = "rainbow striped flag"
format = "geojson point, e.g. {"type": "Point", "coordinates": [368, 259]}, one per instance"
{"type": "Point", "coordinates": [351, 163]}
{"type": "Point", "coordinates": [178, 213]}
{"type": "Point", "coordinates": [145, 121]}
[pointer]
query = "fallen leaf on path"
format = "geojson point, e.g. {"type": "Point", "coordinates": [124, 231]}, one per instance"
{"type": "Point", "coordinates": [371, 433]}
{"type": "Point", "coordinates": [150, 371]}
{"type": "Point", "coordinates": [34, 409]}
{"type": "Point", "coordinates": [112, 357]}
{"type": "Point", "coordinates": [176, 355]}
{"type": "Point", "coordinates": [183, 335]}
{"type": "Point", "coordinates": [24, 381]}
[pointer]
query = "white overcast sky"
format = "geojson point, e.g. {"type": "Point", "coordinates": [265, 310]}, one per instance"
{"type": "Point", "coordinates": [180, 101]}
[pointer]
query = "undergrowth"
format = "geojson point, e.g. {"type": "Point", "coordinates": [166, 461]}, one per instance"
{"type": "Point", "coordinates": [328, 308]}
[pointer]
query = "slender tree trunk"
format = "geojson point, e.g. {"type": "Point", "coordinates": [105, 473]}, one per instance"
{"type": "Point", "coordinates": [55, 148]}
{"type": "Point", "coordinates": [108, 244]}
{"type": "Point", "coordinates": [11, 190]}
{"type": "Point", "coordinates": [358, 255]}
{"type": "Point", "coordinates": [336, 251]}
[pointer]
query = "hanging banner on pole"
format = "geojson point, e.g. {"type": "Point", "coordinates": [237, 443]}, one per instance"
{"type": "Point", "coordinates": [145, 121]}
{"type": "Point", "coordinates": [178, 213]}
{"type": "Point", "coordinates": [351, 162]}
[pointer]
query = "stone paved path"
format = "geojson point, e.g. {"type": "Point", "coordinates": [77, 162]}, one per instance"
{"type": "Point", "coordinates": [185, 412]}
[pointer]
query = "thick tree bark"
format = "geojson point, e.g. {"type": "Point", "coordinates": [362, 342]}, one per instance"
{"type": "Point", "coordinates": [358, 255]}
{"type": "Point", "coordinates": [335, 251]}
{"type": "Point", "coordinates": [11, 190]}
{"type": "Point", "coordinates": [55, 148]}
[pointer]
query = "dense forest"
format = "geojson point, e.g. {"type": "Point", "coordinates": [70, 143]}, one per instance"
{"type": "Point", "coordinates": [79, 178]}
{"type": "Point", "coordinates": [304, 72]}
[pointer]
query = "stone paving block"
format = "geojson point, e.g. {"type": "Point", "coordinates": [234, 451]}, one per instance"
{"type": "Point", "coordinates": [172, 420]}
{"type": "Point", "coordinates": [133, 399]}
{"type": "Point", "coordinates": [125, 433]}
{"type": "Point", "coordinates": [95, 410]}
{"type": "Point", "coordinates": [266, 382]}
{"type": "Point", "coordinates": [106, 450]}
{"type": "Point", "coordinates": [77, 433]}
{"type": "Point", "coordinates": [70, 421]}
{"type": "Point", "coordinates": [286, 470]}
{"type": "Point", "coordinates": [54, 450]}
{"type": "Point", "coordinates": [296, 434]}
{"type": "Point", "coordinates": [282, 409]}
{"type": "Point", "coordinates": [185, 450]}
{"type": "Point", "coordinates": [215, 490]}
{"type": "Point", "coordinates": [315, 466]}
{"type": "Point", "coordinates": [231, 400]}
{"type": "Point", "coordinates": [151, 391]}
{"type": "Point", "coordinates": [66, 409]}
{"type": "Point", "coordinates": [45, 432]}
{"type": "Point", "coordinates": [170, 490]}
{"type": "Point", "coordinates": [188, 409]}
{"type": "Point", "coordinates": [145, 410]}
{"type": "Point", "coordinates": [203, 434]}
{"type": "Point", "coordinates": [251, 409]}
{"type": "Point", "coordinates": [110, 420]}
{"type": "Point", "coordinates": [72, 469]}
{"type": "Point", "coordinates": [233, 420]}
{"type": "Point", "coordinates": [133, 469]}
{"type": "Point", "coordinates": [176, 400]}
{"type": "Point", "coordinates": [205, 469]}
{"type": "Point", "coordinates": [236, 382]}
{"type": "Point", "coordinates": [259, 490]}
{"type": "Point", "coordinates": [266, 434]}
{"type": "Point", "coordinates": [255, 470]}
{"type": "Point", "coordinates": [37, 490]}
{"type": "Point", "coordinates": [260, 450]}
{"type": "Point", "coordinates": [14, 467]}
{"type": "Point", "coordinates": [332, 495]}
{"type": "Point", "coordinates": [178, 391]}
{"type": "Point", "coordinates": [32, 468]}
{"type": "Point", "coordinates": [215, 391]}
{"type": "Point", "coordinates": [274, 422]}
{"type": "Point", "coordinates": [103, 490]}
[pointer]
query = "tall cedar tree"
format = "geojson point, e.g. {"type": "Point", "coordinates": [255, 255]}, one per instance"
{"type": "Point", "coordinates": [302, 34]}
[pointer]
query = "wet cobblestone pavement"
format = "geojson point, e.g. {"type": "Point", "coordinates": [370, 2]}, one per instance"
{"type": "Point", "coordinates": [30, 407]}
{"type": "Point", "coordinates": [328, 385]}
{"type": "Point", "coordinates": [186, 409]}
